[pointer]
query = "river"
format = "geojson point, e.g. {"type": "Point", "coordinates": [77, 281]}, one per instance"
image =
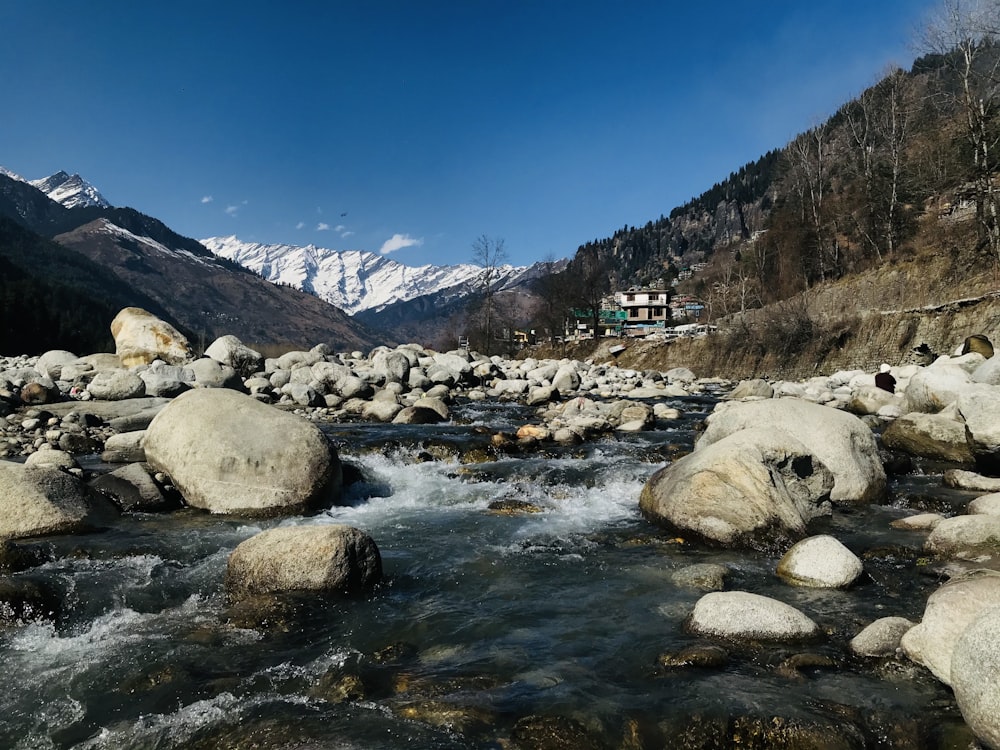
{"type": "Point", "coordinates": [484, 619]}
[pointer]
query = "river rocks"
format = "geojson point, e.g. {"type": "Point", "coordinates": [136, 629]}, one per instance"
{"type": "Point", "coordinates": [753, 487]}
{"type": "Point", "coordinates": [838, 440]}
{"type": "Point", "coordinates": [228, 453]}
{"type": "Point", "coordinates": [933, 388]}
{"type": "Point", "coordinates": [166, 380]}
{"type": "Point", "coordinates": [979, 406]}
{"type": "Point", "coordinates": [986, 505]}
{"type": "Point", "coordinates": [704, 576]}
{"type": "Point", "coordinates": [140, 337]}
{"type": "Point", "coordinates": [949, 611]}
{"type": "Point", "coordinates": [132, 488]}
{"type": "Point", "coordinates": [116, 385]}
{"type": "Point", "coordinates": [881, 638]}
{"type": "Point", "coordinates": [39, 500]}
{"type": "Point", "coordinates": [756, 388]}
{"type": "Point", "coordinates": [943, 437]}
{"type": "Point", "coordinates": [740, 615]}
{"type": "Point", "coordinates": [328, 559]}
{"type": "Point", "coordinates": [820, 562]}
{"type": "Point", "coordinates": [970, 480]}
{"type": "Point", "coordinates": [975, 669]}
{"type": "Point", "coordinates": [229, 350]}
{"type": "Point", "coordinates": [975, 537]}
{"type": "Point", "coordinates": [208, 373]}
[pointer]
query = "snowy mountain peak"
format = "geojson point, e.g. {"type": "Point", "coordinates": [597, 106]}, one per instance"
{"type": "Point", "coordinates": [353, 280]}
{"type": "Point", "coordinates": [71, 191]}
{"type": "Point", "coordinates": [14, 176]}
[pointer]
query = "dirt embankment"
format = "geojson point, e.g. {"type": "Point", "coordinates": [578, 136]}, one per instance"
{"type": "Point", "coordinates": [854, 323]}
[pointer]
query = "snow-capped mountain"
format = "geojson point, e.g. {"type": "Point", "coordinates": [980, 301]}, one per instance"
{"type": "Point", "coordinates": [71, 191]}
{"type": "Point", "coordinates": [353, 280]}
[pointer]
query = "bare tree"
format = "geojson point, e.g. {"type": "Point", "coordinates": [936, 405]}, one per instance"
{"type": "Point", "coordinates": [963, 33]}
{"type": "Point", "coordinates": [491, 255]}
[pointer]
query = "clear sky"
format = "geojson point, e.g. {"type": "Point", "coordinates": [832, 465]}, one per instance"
{"type": "Point", "coordinates": [413, 127]}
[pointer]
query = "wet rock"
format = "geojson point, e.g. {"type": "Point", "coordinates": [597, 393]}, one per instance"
{"type": "Point", "coordinates": [881, 638]}
{"type": "Point", "coordinates": [511, 507]}
{"type": "Point", "coordinates": [937, 436]}
{"type": "Point", "coordinates": [140, 337]}
{"type": "Point", "coordinates": [15, 558]}
{"type": "Point", "coordinates": [949, 611]}
{"type": "Point", "coordinates": [918, 522]}
{"type": "Point", "coordinates": [740, 615]}
{"type": "Point", "coordinates": [326, 558]}
{"type": "Point", "coordinates": [701, 657]}
{"type": "Point", "coordinates": [975, 668]}
{"type": "Point", "coordinates": [132, 488]}
{"type": "Point", "coordinates": [553, 733]}
{"type": "Point", "coordinates": [417, 415]}
{"type": "Point", "coordinates": [753, 487]}
{"type": "Point", "coordinates": [704, 576]}
{"type": "Point", "coordinates": [228, 453]}
{"type": "Point", "coordinates": [463, 719]}
{"type": "Point", "coordinates": [794, 666]}
{"type": "Point", "coordinates": [39, 500]}
{"type": "Point", "coordinates": [820, 562]}
{"type": "Point", "coordinates": [23, 601]}
{"type": "Point", "coordinates": [838, 440]}
{"type": "Point", "coordinates": [975, 537]}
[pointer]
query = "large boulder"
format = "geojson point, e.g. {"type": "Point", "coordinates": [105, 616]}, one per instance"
{"type": "Point", "coordinates": [975, 537]}
{"type": "Point", "coordinates": [979, 406]}
{"type": "Point", "coordinates": [941, 436]}
{"type": "Point", "coordinates": [836, 439]}
{"type": "Point", "coordinates": [881, 638]}
{"type": "Point", "coordinates": [116, 385]}
{"type": "Point", "coordinates": [820, 562]}
{"type": "Point", "coordinates": [228, 453]}
{"type": "Point", "coordinates": [229, 350]}
{"type": "Point", "coordinates": [975, 676]}
{"type": "Point", "coordinates": [740, 615]}
{"type": "Point", "coordinates": [755, 487]}
{"type": "Point", "coordinates": [166, 380]}
{"type": "Point", "coordinates": [329, 559]}
{"type": "Point", "coordinates": [210, 373]}
{"type": "Point", "coordinates": [140, 337]}
{"type": "Point", "coordinates": [38, 500]}
{"type": "Point", "coordinates": [391, 366]}
{"type": "Point", "coordinates": [933, 388]}
{"type": "Point", "coordinates": [51, 363]}
{"type": "Point", "coordinates": [949, 611]}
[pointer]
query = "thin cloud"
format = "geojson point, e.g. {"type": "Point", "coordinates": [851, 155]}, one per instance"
{"type": "Point", "coordinates": [322, 227]}
{"type": "Point", "coordinates": [207, 199]}
{"type": "Point", "coordinates": [300, 225]}
{"type": "Point", "coordinates": [232, 210]}
{"type": "Point", "coordinates": [346, 234]}
{"type": "Point", "coordinates": [398, 242]}
{"type": "Point", "coordinates": [339, 228]}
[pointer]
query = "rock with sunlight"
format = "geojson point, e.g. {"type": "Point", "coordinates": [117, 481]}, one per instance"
{"type": "Point", "coordinates": [38, 500]}
{"type": "Point", "coordinates": [820, 562]}
{"type": "Point", "coordinates": [141, 337]}
{"type": "Point", "coordinates": [754, 488]}
{"type": "Point", "coordinates": [838, 440]}
{"type": "Point", "coordinates": [975, 676]}
{"type": "Point", "coordinates": [328, 559]}
{"type": "Point", "coordinates": [740, 615]}
{"type": "Point", "coordinates": [228, 453]}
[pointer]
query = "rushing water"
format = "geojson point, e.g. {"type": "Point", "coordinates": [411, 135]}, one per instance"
{"type": "Point", "coordinates": [483, 619]}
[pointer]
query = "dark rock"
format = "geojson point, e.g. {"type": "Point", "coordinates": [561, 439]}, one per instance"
{"type": "Point", "coordinates": [24, 601]}
{"type": "Point", "coordinates": [552, 733]}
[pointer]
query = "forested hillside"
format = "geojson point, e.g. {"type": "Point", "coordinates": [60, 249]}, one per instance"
{"type": "Point", "coordinates": [907, 167]}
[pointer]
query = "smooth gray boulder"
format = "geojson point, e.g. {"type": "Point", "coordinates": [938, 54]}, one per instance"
{"type": "Point", "coordinates": [740, 615]}
{"type": "Point", "coordinates": [820, 562]}
{"type": "Point", "coordinates": [755, 487]}
{"type": "Point", "coordinates": [838, 440]}
{"type": "Point", "coordinates": [229, 350]}
{"type": "Point", "coordinates": [755, 388]}
{"type": "Point", "coordinates": [942, 436]}
{"type": "Point", "coordinates": [124, 448]}
{"type": "Point", "coordinates": [974, 537]}
{"type": "Point", "coordinates": [51, 363]}
{"type": "Point", "coordinates": [932, 388]}
{"type": "Point", "coordinates": [882, 637]}
{"type": "Point", "coordinates": [166, 380]}
{"type": "Point", "coordinates": [392, 366]}
{"type": "Point", "coordinates": [979, 406]}
{"type": "Point", "coordinates": [988, 505]}
{"type": "Point", "coordinates": [39, 500]}
{"type": "Point", "coordinates": [228, 453]}
{"type": "Point", "coordinates": [57, 459]}
{"type": "Point", "coordinates": [131, 488]}
{"type": "Point", "coordinates": [323, 558]}
{"type": "Point", "coordinates": [209, 373]}
{"type": "Point", "coordinates": [949, 611]}
{"type": "Point", "coordinates": [116, 385]}
{"type": "Point", "coordinates": [975, 676]}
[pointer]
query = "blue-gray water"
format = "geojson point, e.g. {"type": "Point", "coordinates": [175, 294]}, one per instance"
{"type": "Point", "coordinates": [483, 619]}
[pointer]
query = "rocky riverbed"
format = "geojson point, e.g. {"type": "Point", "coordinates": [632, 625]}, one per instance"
{"type": "Point", "coordinates": [464, 551]}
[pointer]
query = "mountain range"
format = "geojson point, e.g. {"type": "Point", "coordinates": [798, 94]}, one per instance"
{"type": "Point", "coordinates": [356, 280]}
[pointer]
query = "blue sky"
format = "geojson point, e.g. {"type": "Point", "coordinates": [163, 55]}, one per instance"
{"type": "Point", "coordinates": [414, 127]}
